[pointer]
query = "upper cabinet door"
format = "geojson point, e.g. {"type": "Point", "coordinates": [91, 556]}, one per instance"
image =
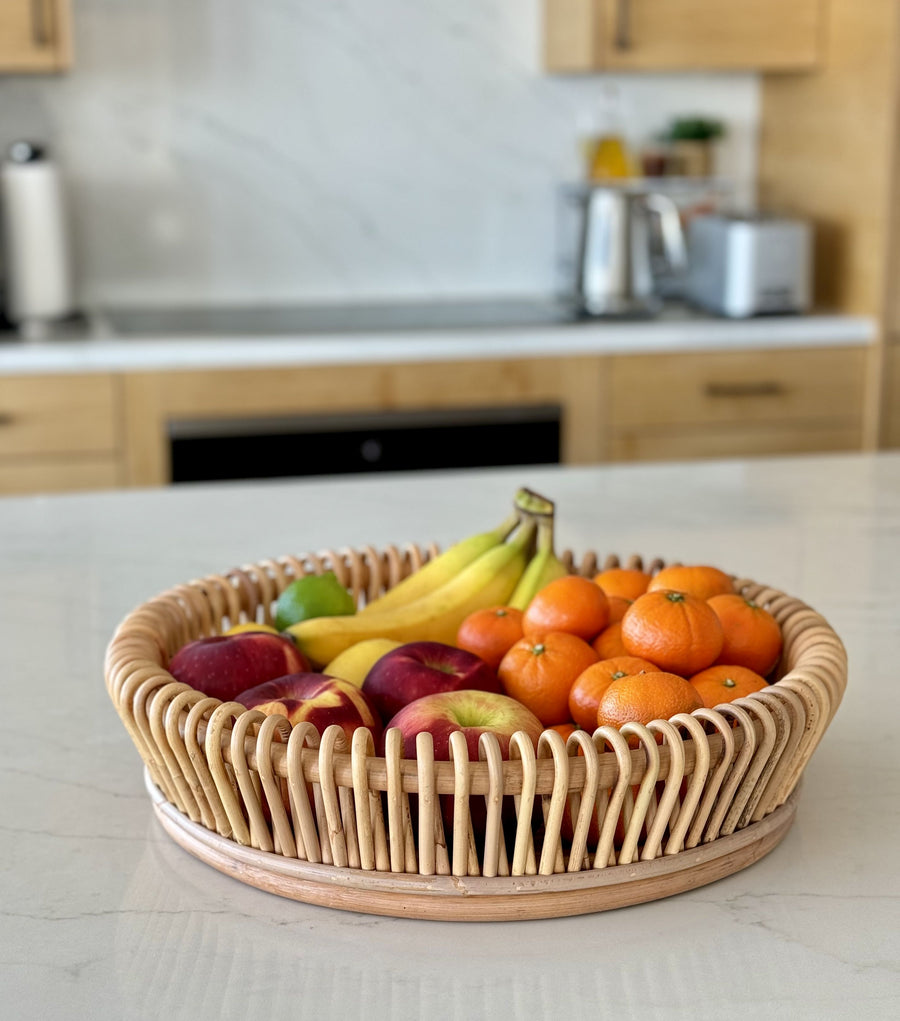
{"type": "Point", "coordinates": [34, 36]}
{"type": "Point", "coordinates": [681, 35]}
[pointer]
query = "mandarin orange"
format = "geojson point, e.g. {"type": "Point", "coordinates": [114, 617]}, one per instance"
{"type": "Point", "coordinates": [645, 697]}
{"type": "Point", "coordinates": [725, 682]}
{"type": "Point", "coordinates": [609, 642]}
{"type": "Point", "coordinates": [624, 582]}
{"type": "Point", "coordinates": [617, 608]}
{"type": "Point", "coordinates": [572, 604]}
{"type": "Point", "coordinates": [539, 673]}
{"type": "Point", "coordinates": [565, 729]}
{"type": "Point", "coordinates": [751, 635]}
{"type": "Point", "coordinates": [490, 633]}
{"type": "Point", "coordinates": [699, 580]}
{"type": "Point", "coordinates": [585, 693]}
{"type": "Point", "coordinates": [677, 631]}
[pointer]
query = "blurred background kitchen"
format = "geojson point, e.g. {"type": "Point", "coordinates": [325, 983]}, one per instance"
{"type": "Point", "coordinates": [293, 238]}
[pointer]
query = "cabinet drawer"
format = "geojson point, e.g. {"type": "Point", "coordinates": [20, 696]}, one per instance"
{"type": "Point", "coordinates": [753, 441]}
{"type": "Point", "coordinates": [58, 474]}
{"type": "Point", "coordinates": [57, 415]}
{"type": "Point", "coordinates": [657, 391]}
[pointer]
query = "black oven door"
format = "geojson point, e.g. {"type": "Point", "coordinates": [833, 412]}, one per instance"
{"type": "Point", "coordinates": [221, 449]}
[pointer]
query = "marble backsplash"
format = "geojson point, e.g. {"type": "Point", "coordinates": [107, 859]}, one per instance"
{"type": "Point", "coordinates": [225, 151]}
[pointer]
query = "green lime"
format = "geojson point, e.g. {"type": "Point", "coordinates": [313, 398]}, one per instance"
{"type": "Point", "coordinates": [316, 595]}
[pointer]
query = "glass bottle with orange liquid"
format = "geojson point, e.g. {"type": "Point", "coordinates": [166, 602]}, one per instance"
{"type": "Point", "coordinates": [607, 154]}
{"type": "Point", "coordinates": [610, 159]}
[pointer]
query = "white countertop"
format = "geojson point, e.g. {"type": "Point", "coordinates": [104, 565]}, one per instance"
{"type": "Point", "coordinates": [98, 349]}
{"type": "Point", "coordinates": [103, 916]}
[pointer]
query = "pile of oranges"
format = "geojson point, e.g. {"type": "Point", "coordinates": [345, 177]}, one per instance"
{"type": "Point", "coordinates": [627, 646]}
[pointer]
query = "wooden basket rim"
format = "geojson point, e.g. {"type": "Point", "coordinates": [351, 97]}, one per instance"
{"type": "Point", "coordinates": [823, 664]}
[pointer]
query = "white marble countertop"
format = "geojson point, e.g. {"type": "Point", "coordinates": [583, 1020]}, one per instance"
{"type": "Point", "coordinates": [104, 917]}
{"type": "Point", "coordinates": [98, 348]}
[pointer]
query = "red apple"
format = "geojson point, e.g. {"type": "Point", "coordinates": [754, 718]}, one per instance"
{"type": "Point", "coordinates": [225, 665]}
{"type": "Point", "coordinates": [472, 712]}
{"type": "Point", "coordinates": [424, 668]}
{"type": "Point", "coordinates": [316, 699]}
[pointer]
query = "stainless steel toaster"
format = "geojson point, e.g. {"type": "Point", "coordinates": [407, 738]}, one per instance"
{"type": "Point", "coordinates": [747, 265]}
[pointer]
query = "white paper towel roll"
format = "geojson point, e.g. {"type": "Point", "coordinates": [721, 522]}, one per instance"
{"type": "Point", "coordinates": [35, 239]}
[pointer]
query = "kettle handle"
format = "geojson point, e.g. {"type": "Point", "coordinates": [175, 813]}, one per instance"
{"type": "Point", "coordinates": [670, 228]}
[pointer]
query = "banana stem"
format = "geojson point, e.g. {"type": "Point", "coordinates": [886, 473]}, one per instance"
{"type": "Point", "coordinates": [508, 525]}
{"type": "Point", "coordinates": [524, 537]}
{"type": "Point", "coordinates": [545, 534]}
{"type": "Point", "coordinates": [543, 567]}
{"type": "Point", "coordinates": [532, 503]}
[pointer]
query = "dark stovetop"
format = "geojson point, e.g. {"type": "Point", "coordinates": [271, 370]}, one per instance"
{"type": "Point", "coordinates": [274, 320]}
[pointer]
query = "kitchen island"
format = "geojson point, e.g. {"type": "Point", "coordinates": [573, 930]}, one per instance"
{"type": "Point", "coordinates": [105, 917]}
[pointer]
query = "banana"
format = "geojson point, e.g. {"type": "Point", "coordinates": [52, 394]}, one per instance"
{"type": "Point", "coordinates": [488, 581]}
{"type": "Point", "coordinates": [443, 568]}
{"type": "Point", "coordinates": [543, 567]}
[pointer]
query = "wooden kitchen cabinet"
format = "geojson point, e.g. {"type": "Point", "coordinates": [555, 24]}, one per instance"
{"type": "Point", "coordinates": [59, 433]}
{"type": "Point", "coordinates": [90, 431]}
{"type": "Point", "coordinates": [681, 35]}
{"type": "Point", "coordinates": [632, 407]}
{"type": "Point", "coordinates": [830, 153]}
{"type": "Point", "coordinates": [892, 396]}
{"type": "Point", "coordinates": [734, 404]}
{"type": "Point", "coordinates": [35, 36]}
{"type": "Point", "coordinates": [59, 474]}
{"type": "Point", "coordinates": [154, 400]}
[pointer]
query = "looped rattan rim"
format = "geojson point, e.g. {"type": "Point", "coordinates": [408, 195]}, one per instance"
{"type": "Point", "coordinates": [585, 805]}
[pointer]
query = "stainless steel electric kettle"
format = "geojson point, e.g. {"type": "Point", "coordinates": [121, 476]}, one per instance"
{"type": "Point", "coordinates": [621, 228]}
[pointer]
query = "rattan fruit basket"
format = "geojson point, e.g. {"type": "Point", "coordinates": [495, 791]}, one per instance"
{"type": "Point", "coordinates": [573, 827]}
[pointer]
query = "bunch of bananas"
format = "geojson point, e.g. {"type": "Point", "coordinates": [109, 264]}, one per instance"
{"type": "Point", "coordinates": [505, 566]}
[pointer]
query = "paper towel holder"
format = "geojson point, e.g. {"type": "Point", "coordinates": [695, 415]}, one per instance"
{"type": "Point", "coordinates": [36, 263]}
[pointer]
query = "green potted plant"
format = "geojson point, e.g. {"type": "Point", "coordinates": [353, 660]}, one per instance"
{"type": "Point", "coordinates": [690, 141]}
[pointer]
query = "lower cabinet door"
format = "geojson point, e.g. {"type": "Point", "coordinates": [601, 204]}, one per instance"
{"type": "Point", "coordinates": [686, 444]}
{"type": "Point", "coordinates": [58, 474]}
{"type": "Point", "coordinates": [736, 403]}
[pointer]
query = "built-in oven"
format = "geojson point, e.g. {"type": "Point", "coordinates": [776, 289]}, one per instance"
{"type": "Point", "coordinates": [306, 445]}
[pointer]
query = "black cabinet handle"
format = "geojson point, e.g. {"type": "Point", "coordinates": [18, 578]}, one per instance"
{"type": "Point", "coordinates": [40, 23]}
{"type": "Point", "coordinates": [623, 24]}
{"type": "Point", "coordinates": [755, 388]}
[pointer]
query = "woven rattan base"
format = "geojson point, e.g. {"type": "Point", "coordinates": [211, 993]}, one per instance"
{"type": "Point", "coordinates": [476, 898]}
